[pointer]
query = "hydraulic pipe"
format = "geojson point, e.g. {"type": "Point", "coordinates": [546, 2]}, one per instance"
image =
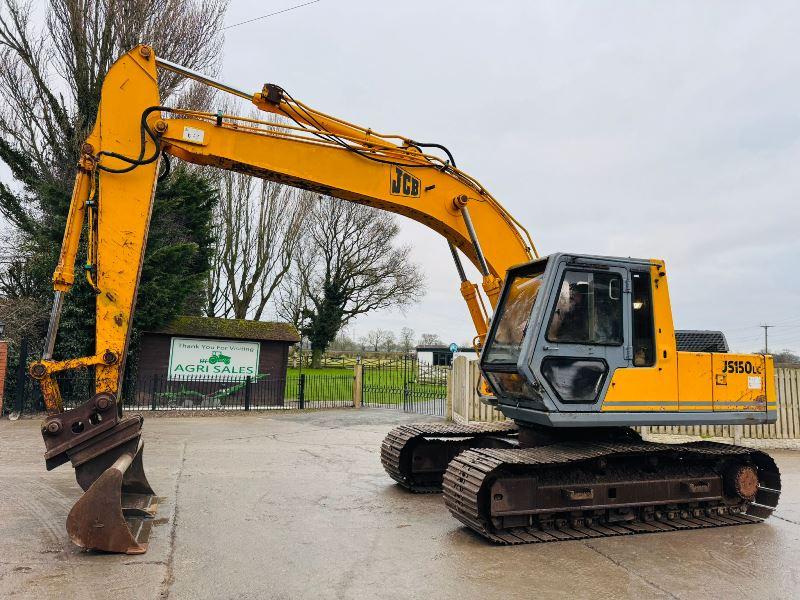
{"type": "Point", "coordinates": [192, 74]}
{"type": "Point", "coordinates": [52, 326]}
{"type": "Point", "coordinates": [457, 259]}
{"type": "Point", "coordinates": [475, 243]}
{"type": "Point", "coordinates": [470, 293]}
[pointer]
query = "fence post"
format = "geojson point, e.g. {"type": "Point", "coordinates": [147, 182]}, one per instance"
{"type": "Point", "coordinates": [406, 389]}
{"type": "Point", "coordinates": [358, 382]}
{"type": "Point", "coordinates": [301, 392]}
{"type": "Point", "coordinates": [473, 401]}
{"type": "Point", "coordinates": [153, 392]}
{"type": "Point", "coordinates": [247, 393]}
{"type": "Point", "coordinates": [448, 411]}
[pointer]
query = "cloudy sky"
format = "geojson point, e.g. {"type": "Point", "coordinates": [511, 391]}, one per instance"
{"type": "Point", "coordinates": [647, 129]}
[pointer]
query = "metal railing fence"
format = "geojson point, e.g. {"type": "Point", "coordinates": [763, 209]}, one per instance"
{"type": "Point", "coordinates": [406, 384]}
{"type": "Point", "coordinates": [157, 392]}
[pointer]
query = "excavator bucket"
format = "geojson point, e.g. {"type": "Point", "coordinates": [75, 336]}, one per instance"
{"type": "Point", "coordinates": [115, 513]}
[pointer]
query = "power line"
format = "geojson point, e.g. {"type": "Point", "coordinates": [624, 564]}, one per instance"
{"type": "Point", "coordinates": [785, 338]}
{"type": "Point", "coordinates": [766, 338]}
{"type": "Point", "coordinates": [790, 322]}
{"type": "Point", "coordinates": [272, 14]}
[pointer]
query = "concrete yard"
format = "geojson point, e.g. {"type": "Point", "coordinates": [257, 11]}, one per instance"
{"type": "Point", "coordinates": [294, 505]}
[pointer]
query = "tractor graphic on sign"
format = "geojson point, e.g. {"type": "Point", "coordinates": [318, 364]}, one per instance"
{"type": "Point", "coordinates": [218, 357]}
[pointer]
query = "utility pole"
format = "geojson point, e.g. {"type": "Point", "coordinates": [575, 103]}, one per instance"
{"type": "Point", "coordinates": [766, 337]}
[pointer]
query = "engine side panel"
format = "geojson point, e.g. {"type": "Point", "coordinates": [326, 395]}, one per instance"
{"type": "Point", "coordinates": [740, 382]}
{"type": "Point", "coordinates": [695, 389]}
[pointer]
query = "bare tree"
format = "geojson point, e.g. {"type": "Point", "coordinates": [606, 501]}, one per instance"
{"type": "Point", "coordinates": [291, 298]}
{"type": "Point", "coordinates": [389, 343]}
{"type": "Point", "coordinates": [18, 315]}
{"type": "Point", "coordinates": [351, 267]}
{"type": "Point", "coordinates": [82, 40]}
{"type": "Point", "coordinates": [406, 339]}
{"type": "Point", "coordinates": [258, 226]}
{"type": "Point", "coordinates": [430, 339]}
{"type": "Point", "coordinates": [344, 343]}
{"type": "Point", "coordinates": [784, 357]}
{"type": "Point", "coordinates": [17, 277]}
{"type": "Point", "coordinates": [372, 340]}
{"type": "Point", "coordinates": [379, 339]}
{"type": "Point", "coordinates": [50, 83]}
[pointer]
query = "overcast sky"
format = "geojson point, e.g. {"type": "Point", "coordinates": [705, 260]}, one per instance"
{"type": "Point", "coordinates": [646, 129]}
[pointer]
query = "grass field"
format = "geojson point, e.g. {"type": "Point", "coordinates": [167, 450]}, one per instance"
{"type": "Point", "coordinates": [294, 372]}
{"type": "Point", "coordinates": [384, 385]}
{"type": "Point", "coordinates": [321, 384]}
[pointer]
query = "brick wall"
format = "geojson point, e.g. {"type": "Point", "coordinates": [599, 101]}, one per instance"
{"type": "Point", "coordinates": [3, 369]}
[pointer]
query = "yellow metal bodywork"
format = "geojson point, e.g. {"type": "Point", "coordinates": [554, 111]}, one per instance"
{"type": "Point", "coordinates": [330, 156]}
{"type": "Point", "coordinates": [741, 382]}
{"type": "Point", "coordinates": [387, 172]}
{"type": "Point", "coordinates": [690, 381]}
{"type": "Point", "coordinates": [349, 176]}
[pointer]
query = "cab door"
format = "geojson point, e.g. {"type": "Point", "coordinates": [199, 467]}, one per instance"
{"type": "Point", "coordinates": [582, 340]}
{"type": "Point", "coordinates": [649, 382]}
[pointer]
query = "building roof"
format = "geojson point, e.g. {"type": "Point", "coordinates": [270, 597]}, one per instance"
{"type": "Point", "coordinates": [238, 329]}
{"type": "Point", "coordinates": [443, 348]}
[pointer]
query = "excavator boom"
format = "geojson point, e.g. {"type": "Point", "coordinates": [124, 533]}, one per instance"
{"type": "Point", "coordinates": [310, 150]}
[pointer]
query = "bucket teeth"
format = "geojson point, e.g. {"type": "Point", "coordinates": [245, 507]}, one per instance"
{"type": "Point", "coordinates": [115, 513]}
{"type": "Point", "coordinates": [139, 505]}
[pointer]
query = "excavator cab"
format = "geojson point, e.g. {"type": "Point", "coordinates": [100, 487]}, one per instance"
{"type": "Point", "coordinates": [580, 341]}
{"type": "Point", "coordinates": [559, 331]}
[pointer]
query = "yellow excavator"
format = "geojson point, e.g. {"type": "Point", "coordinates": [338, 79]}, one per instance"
{"type": "Point", "coordinates": [580, 349]}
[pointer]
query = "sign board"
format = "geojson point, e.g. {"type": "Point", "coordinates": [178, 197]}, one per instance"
{"type": "Point", "coordinates": [453, 347]}
{"type": "Point", "coordinates": [224, 359]}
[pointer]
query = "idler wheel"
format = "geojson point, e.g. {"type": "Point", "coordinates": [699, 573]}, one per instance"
{"type": "Point", "coordinates": [743, 481]}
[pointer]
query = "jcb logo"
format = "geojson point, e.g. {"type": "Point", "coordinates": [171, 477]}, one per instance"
{"type": "Point", "coordinates": [403, 184]}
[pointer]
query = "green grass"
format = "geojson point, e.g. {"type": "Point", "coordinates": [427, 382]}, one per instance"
{"type": "Point", "coordinates": [383, 386]}
{"type": "Point", "coordinates": [321, 384]}
{"type": "Point", "coordinates": [294, 372]}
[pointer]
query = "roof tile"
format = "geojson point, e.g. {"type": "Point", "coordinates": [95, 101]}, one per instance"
{"type": "Point", "coordinates": [240, 329]}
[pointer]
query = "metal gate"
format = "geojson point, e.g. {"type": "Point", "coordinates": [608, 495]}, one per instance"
{"type": "Point", "coordinates": [406, 384]}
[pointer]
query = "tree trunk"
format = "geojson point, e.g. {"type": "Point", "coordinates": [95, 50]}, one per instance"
{"type": "Point", "coordinates": [316, 358]}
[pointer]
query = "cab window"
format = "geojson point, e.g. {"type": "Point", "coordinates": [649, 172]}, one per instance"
{"type": "Point", "coordinates": [588, 309]}
{"type": "Point", "coordinates": [512, 318]}
{"type": "Point", "coordinates": [644, 347]}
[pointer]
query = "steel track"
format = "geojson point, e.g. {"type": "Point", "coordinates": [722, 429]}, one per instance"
{"type": "Point", "coordinates": [471, 473]}
{"type": "Point", "coordinates": [400, 442]}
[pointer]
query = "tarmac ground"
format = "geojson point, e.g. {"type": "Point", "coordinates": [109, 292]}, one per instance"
{"type": "Point", "coordinates": [297, 505]}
